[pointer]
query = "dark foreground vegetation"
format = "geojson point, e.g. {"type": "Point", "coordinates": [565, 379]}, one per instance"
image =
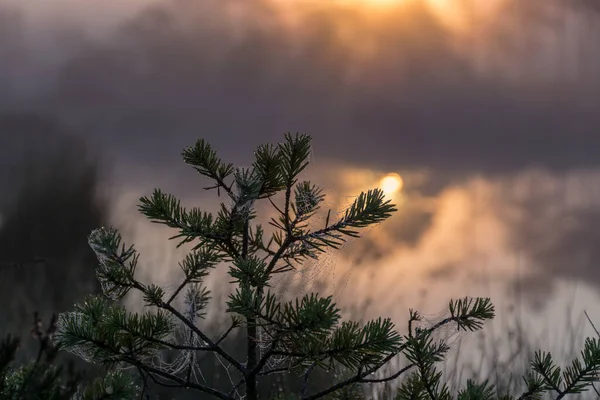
{"type": "Point", "coordinates": [268, 346]}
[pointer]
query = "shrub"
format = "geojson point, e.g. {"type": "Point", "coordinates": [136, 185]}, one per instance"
{"type": "Point", "coordinates": [44, 379]}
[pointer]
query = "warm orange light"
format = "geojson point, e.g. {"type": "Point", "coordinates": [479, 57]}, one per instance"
{"type": "Point", "coordinates": [365, 3]}
{"type": "Point", "coordinates": [391, 183]}
{"type": "Point", "coordinates": [456, 15]}
{"type": "Point", "coordinates": [378, 2]}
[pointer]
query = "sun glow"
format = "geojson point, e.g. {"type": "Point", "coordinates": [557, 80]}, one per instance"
{"type": "Point", "coordinates": [458, 16]}
{"type": "Point", "coordinates": [391, 183]}
{"type": "Point", "coordinates": [376, 2]}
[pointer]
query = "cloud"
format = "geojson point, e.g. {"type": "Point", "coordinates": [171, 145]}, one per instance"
{"type": "Point", "coordinates": [402, 92]}
{"type": "Point", "coordinates": [532, 229]}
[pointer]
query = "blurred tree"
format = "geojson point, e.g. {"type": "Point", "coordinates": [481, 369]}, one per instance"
{"type": "Point", "coordinates": [49, 201]}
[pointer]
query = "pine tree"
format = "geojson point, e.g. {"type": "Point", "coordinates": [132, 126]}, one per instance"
{"type": "Point", "coordinates": [308, 333]}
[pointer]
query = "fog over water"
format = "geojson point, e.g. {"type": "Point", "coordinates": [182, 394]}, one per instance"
{"type": "Point", "coordinates": [489, 113]}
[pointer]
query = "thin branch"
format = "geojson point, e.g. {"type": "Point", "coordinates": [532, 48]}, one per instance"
{"type": "Point", "coordinates": [223, 185]}
{"type": "Point", "coordinates": [251, 332]}
{"type": "Point", "coordinates": [267, 356]}
{"type": "Point", "coordinates": [163, 384]}
{"type": "Point", "coordinates": [389, 378]}
{"type": "Point", "coordinates": [178, 290]}
{"type": "Point", "coordinates": [305, 379]}
{"type": "Point", "coordinates": [275, 205]}
{"type": "Point", "coordinates": [151, 370]}
{"type": "Point", "coordinates": [227, 332]}
{"type": "Point", "coordinates": [144, 382]}
{"type": "Point", "coordinates": [216, 348]}
{"type": "Point", "coordinates": [174, 346]}
{"type": "Point", "coordinates": [286, 243]}
{"type": "Point", "coordinates": [273, 371]}
{"type": "Point", "coordinates": [236, 387]}
{"type": "Point", "coordinates": [591, 323]}
{"type": "Point", "coordinates": [526, 395]}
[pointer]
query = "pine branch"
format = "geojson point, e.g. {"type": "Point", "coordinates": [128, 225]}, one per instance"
{"type": "Point", "coordinates": [105, 242]}
{"type": "Point", "coordinates": [205, 161]}
{"type": "Point", "coordinates": [369, 208]}
{"type": "Point", "coordinates": [476, 311]}
{"type": "Point", "coordinates": [268, 170]}
{"type": "Point", "coordinates": [192, 225]}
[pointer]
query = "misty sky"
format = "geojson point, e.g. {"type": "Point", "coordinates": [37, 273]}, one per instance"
{"type": "Point", "coordinates": [489, 113]}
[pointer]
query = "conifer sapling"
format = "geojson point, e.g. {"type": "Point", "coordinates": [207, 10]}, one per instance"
{"type": "Point", "coordinates": [307, 333]}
